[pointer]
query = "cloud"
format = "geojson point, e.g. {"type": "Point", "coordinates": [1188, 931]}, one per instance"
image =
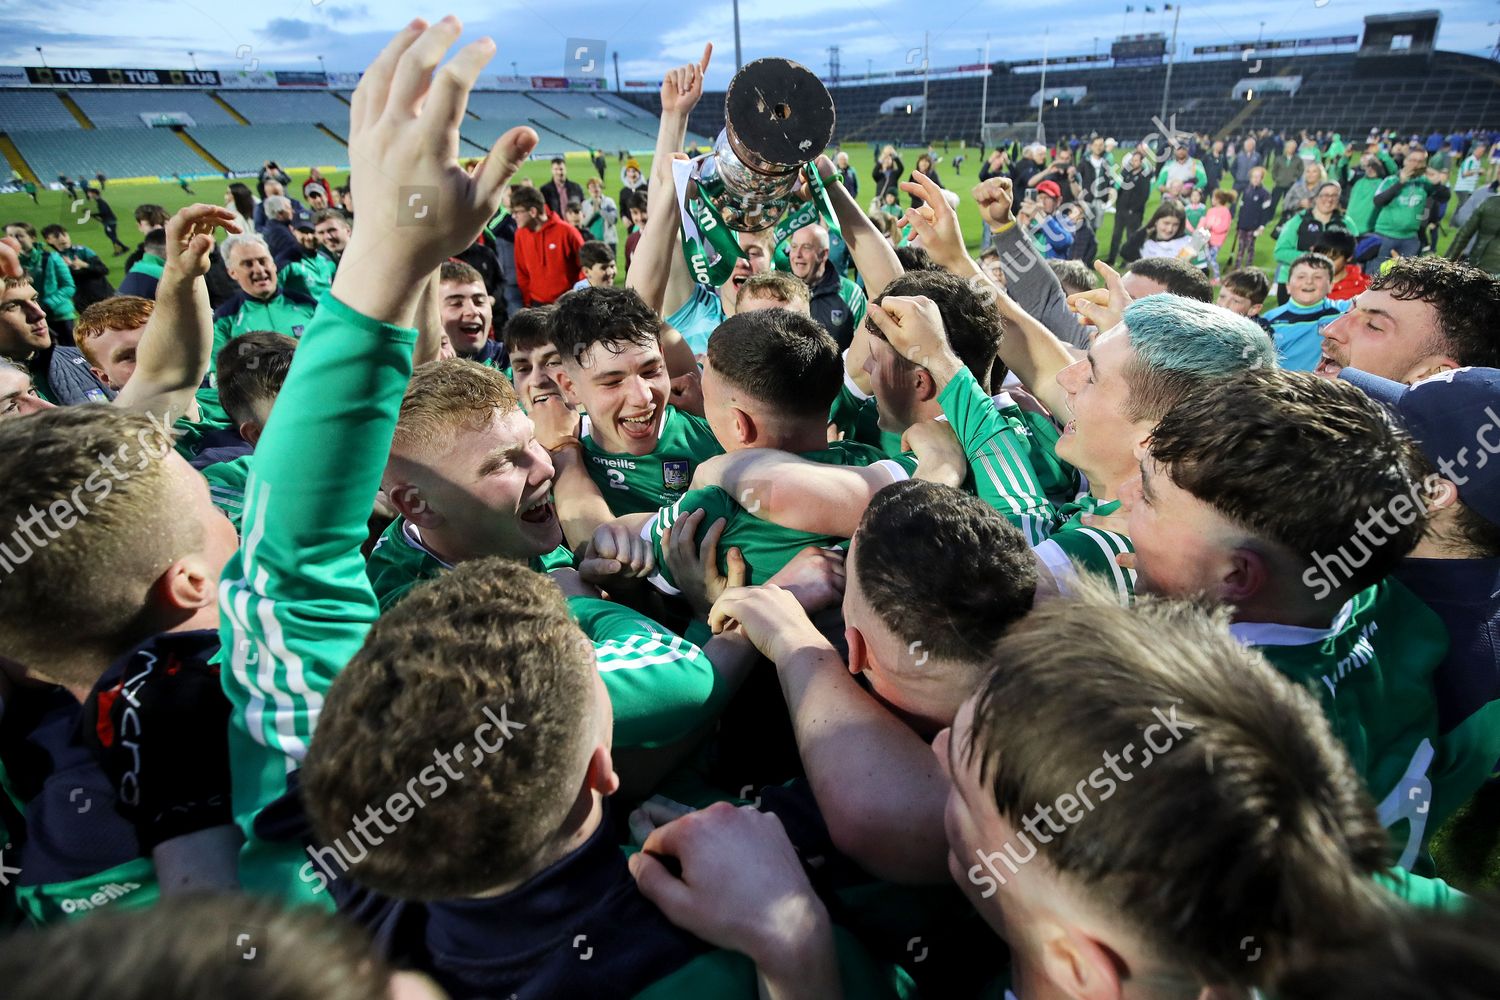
{"type": "Point", "coordinates": [338, 12]}
{"type": "Point", "coordinates": [289, 29]}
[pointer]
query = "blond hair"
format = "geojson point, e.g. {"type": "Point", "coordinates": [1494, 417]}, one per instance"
{"type": "Point", "coordinates": [447, 396]}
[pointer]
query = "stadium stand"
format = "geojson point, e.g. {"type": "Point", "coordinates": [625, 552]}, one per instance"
{"type": "Point", "coordinates": [244, 149]}
{"type": "Point", "coordinates": [123, 108]}
{"type": "Point", "coordinates": [143, 152]}
{"type": "Point", "coordinates": [35, 109]}
{"type": "Point", "coordinates": [287, 107]}
{"type": "Point", "coordinates": [1453, 91]}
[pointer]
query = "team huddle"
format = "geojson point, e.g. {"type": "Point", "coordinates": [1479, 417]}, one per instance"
{"type": "Point", "coordinates": [906, 628]}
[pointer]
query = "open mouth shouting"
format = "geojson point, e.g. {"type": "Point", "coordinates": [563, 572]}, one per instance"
{"type": "Point", "coordinates": [639, 426]}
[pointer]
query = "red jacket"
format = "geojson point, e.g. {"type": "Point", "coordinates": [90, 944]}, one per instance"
{"type": "Point", "coordinates": [547, 260]}
{"type": "Point", "coordinates": [1354, 281]}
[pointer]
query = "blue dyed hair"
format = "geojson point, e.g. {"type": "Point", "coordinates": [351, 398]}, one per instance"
{"type": "Point", "coordinates": [1181, 342]}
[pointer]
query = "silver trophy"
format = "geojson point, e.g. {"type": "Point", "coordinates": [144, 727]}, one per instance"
{"type": "Point", "coordinates": [778, 117]}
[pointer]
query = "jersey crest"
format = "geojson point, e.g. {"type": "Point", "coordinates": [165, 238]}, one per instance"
{"type": "Point", "coordinates": [675, 475]}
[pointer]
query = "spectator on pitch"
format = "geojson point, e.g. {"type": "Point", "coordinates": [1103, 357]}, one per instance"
{"type": "Point", "coordinates": [598, 262]}
{"type": "Point", "coordinates": [1300, 232]}
{"type": "Point", "coordinates": [106, 216]}
{"type": "Point", "coordinates": [637, 214]}
{"type": "Point", "coordinates": [317, 199]}
{"type": "Point", "coordinates": [1481, 229]}
{"type": "Point", "coordinates": [260, 302]}
{"type": "Point", "coordinates": [1073, 275]}
{"type": "Point", "coordinates": [887, 172]}
{"type": "Point", "coordinates": [1361, 207]}
{"type": "Point", "coordinates": [559, 191]}
{"type": "Point", "coordinates": [1401, 204]}
{"type": "Point", "coordinates": [632, 184]}
{"type": "Point", "coordinates": [997, 164]}
{"type": "Point", "coordinates": [1299, 197]}
{"type": "Point", "coordinates": [90, 273]}
{"type": "Point", "coordinates": [837, 302]}
{"type": "Point", "coordinates": [1053, 235]}
{"type": "Point", "coordinates": [601, 216]}
{"type": "Point", "coordinates": [1215, 166]}
{"type": "Point", "coordinates": [1286, 168]}
{"type": "Point", "coordinates": [1180, 174]}
{"type": "Point", "coordinates": [271, 171]}
{"type": "Point", "coordinates": [848, 175]}
{"type": "Point", "coordinates": [50, 276]}
{"type": "Point", "coordinates": [1255, 214]}
{"type": "Point", "coordinates": [147, 218]}
{"type": "Point", "coordinates": [1297, 325]}
{"type": "Point", "coordinates": [316, 182]}
{"type": "Point", "coordinates": [272, 189]}
{"type": "Point", "coordinates": [1094, 181]}
{"type": "Point", "coordinates": [1471, 172]}
{"type": "Point", "coordinates": [924, 166]}
{"type": "Point", "coordinates": [1085, 246]}
{"type": "Point", "coordinates": [239, 200]}
{"type": "Point", "coordinates": [1132, 190]}
{"type": "Point", "coordinates": [145, 274]}
{"type": "Point", "coordinates": [182, 183]}
{"type": "Point", "coordinates": [277, 229]}
{"type": "Point", "coordinates": [467, 311]}
{"type": "Point", "coordinates": [1244, 293]}
{"type": "Point", "coordinates": [1164, 235]}
{"type": "Point", "coordinates": [69, 185]}
{"type": "Point", "coordinates": [59, 373]}
{"type": "Point", "coordinates": [306, 239]}
{"type": "Point", "coordinates": [313, 274]}
{"type": "Point", "coordinates": [1217, 220]}
{"type": "Point", "coordinates": [597, 159]}
{"type": "Point", "coordinates": [1246, 160]}
{"type": "Point", "coordinates": [546, 248]}
{"type": "Point", "coordinates": [501, 233]}
{"type": "Point", "coordinates": [1349, 279]}
{"type": "Point", "coordinates": [573, 215]}
{"type": "Point", "coordinates": [1032, 161]}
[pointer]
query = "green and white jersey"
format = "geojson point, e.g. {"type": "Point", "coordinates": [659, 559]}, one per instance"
{"type": "Point", "coordinates": [998, 450]}
{"type": "Point", "coordinates": [1372, 673]}
{"type": "Point", "coordinates": [766, 547]}
{"type": "Point", "coordinates": [400, 561]}
{"type": "Point", "coordinates": [310, 276]}
{"type": "Point", "coordinates": [637, 484]}
{"type": "Point", "coordinates": [1073, 544]}
{"type": "Point", "coordinates": [284, 312]}
{"type": "Point", "coordinates": [661, 686]}
{"type": "Point", "coordinates": [295, 603]}
{"type": "Point", "coordinates": [226, 486]}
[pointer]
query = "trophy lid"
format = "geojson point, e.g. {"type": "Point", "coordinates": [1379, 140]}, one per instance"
{"type": "Point", "coordinates": [777, 115]}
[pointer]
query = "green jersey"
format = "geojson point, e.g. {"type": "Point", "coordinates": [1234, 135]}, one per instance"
{"type": "Point", "coordinates": [284, 312]}
{"type": "Point", "coordinates": [188, 435]}
{"type": "Point", "coordinates": [1073, 544]}
{"type": "Point", "coordinates": [1372, 673]}
{"type": "Point", "coordinates": [856, 414]}
{"type": "Point", "coordinates": [295, 602]}
{"type": "Point", "coordinates": [998, 450]}
{"type": "Point", "coordinates": [637, 484]}
{"type": "Point", "coordinates": [767, 547]}
{"type": "Point", "coordinates": [662, 686]}
{"type": "Point", "coordinates": [311, 276]}
{"type": "Point", "coordinates": [400, 561]}
{"type": "Point", "coordinates": [226, 486]}
{"type": "Point", "coordinates": [1400, 218]}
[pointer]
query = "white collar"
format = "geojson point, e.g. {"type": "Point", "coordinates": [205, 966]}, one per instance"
{"type": "Point", "coordinates": [1272, 634]}
{"type": "Point", "coordinates": [412, 536]}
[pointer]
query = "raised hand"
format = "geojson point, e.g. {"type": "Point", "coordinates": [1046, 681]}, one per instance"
{"type": "Point", "coordinates": [913, 326]}
{"type": "Point", "coordinates": [190, 237]}
{"type": "Point", "coordinates": [683, 86]}
{"type": "Point", "coordinates": [994, 197]}
{"type": "Point", "coordinates": [935, 223]}
{"type": "Point", "coordinates": [417, 204]}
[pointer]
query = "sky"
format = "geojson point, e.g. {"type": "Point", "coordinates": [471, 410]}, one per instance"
{"type": "Point", "coordinates": [652, 36]}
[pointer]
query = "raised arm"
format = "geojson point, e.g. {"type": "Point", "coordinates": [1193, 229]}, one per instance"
{"type": "Point", "coordinates": [874, 257]}
{"type": "Point", "coordinates": [296, 598]}
{"type": "Point", "coordinates": [176, 349]}
{"type": "Point", "coordinates": [652, 273]}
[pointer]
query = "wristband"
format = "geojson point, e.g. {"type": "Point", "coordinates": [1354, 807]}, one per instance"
{"type": "Point", "coordinates": [994, 231]}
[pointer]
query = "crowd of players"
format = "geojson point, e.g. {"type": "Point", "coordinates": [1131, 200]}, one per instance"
{"type": "Point", "coordinates": [878, 622]}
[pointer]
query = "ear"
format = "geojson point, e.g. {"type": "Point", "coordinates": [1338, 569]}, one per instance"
{"type": "Point", "coordinates": [859, 650]}
{"type": "Point", "coordinates": [564, 380]}
{"type": "Point", "coordinates": [1433, 364]}
{"type": "Point", "coordinates": [103, 378]}
{"type": "Point", "coordinates": [1082, 966]}
{"type": "Point", "coordinates": [601, 775]}
{"type": "Point", "coordinates": [923, 384]}
{"type": "Point", "coordinates": [1255, 309]}
{"type": "Point", "coordinates": [186, 586]}
{"type": "Point", "coordinates": [1439, 494]}
{"type": "Point", "coordinates": [409, 502]}
{"type": "Point", "coordinates": [745, 429]}
{"type": "Point", "coordinates": [1247, 577]}
{"type": "Point", "coordinates": [251, 431]}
